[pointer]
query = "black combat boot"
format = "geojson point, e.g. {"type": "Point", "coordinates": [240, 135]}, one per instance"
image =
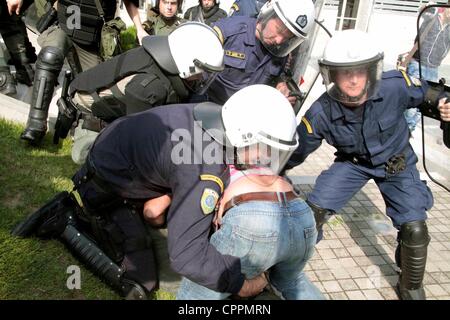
{"type": "Point", "coordinates": [412, 258]}
{"type": "Point", "coordinates": [24, 74]}
{"type": "Point", "coordinates": [48, 67]}
{"type": "Point", "coordinates": [50, 220]}
{"type": "Point", "coordinates": [7, 82]}
{"type": "Point", "coordinates": [22, 62]}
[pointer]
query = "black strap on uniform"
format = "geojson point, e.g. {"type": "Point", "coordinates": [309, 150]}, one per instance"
{"type": "Point", "coordinates": [178, 86]}
{"type": "Point", "coordinates": [92, 123]}
{"type": "Point", "coordinates": [100, 10]}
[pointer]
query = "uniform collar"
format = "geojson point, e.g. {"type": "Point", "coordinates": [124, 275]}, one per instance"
{"type": "Point", "coordinates": [337, 107]}
{"type": "Point", "coordinates": [339, 111]}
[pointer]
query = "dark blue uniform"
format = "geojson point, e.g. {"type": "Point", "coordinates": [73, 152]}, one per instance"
{"type": "Point", "coordinates": [137, 157]}
{"type": "Point", "coordinates": [247, 8]}
{"type": "Point", "coordinates": [246, 60]}
{"type": "Point", "coordinates": [366, 138]}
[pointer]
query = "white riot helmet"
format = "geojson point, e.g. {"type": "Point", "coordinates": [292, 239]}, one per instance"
{"type": "Point", "coordinates": [352, 52]}
{"type": "Point", "coordinates": [297, 17]}
{"type": "Point", "coordinates": [256, 120]}
{"type": "Point", "coordinates": [189, 50]}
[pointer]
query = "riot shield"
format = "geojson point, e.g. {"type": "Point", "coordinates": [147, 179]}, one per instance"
{"type": "Point", "coordinates": [305, 63]}
{"type": "Point", "coordinates": [433, 60]}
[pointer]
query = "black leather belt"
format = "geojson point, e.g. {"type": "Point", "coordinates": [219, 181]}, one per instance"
{"type": "Point", "coordinates": [93, 176]}
{"type": "Point", "coordinates": [282, 197]}
{"type": "Point", "coordinates": [353, 159]}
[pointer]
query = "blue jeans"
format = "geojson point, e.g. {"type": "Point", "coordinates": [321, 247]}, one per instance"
{"type": "Point", "coordinates": [428, 73]}
{"type": "Point", "coordinates": [265, 236]}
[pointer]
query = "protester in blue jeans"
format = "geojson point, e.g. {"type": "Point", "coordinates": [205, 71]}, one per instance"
{"type": "Point", "coordinates": [270, 229]}
{"type": "Point", "coordinates": [265, 226]}
{"type": "Point", "coordinates": [434, 36]}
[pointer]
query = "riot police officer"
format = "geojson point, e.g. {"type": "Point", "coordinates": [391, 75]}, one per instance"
{"type": "Point", "coordinates": [155, 74]}
{"type": "Point", "coordinates": [256, 49]}
{"type": "Point", "coordinates": [81, 43]}
{"type": "Point", "coordinates": [247, 8]}
{"type": "Point", "coordinates": [162, 17]}
{"type": "Point", "coordinates": [207, 11]}
{"type": "Point", "coordinates": [182, 150]}
{"type": "Point", "coordinates": [361, 115]}
{"type": "Point", "coordinates": [20, 49]}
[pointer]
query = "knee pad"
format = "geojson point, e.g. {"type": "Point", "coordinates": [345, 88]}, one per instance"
{"type": "Point", "coordinates": [414, 241]}
{"type": "Point", "coordinates": [50, 59]}
{"type": "Point", "coordinates": [414, 233]}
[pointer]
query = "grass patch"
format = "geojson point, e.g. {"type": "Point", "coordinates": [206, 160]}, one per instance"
{"type": "Point", "coordinates": [29, 177]}
{"type": "Point", "coordinates": [336, 221]}
{"type": "Point", "coordinates": [128, 38]}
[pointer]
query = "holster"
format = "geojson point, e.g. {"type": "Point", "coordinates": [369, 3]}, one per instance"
{"type": "Point", "coordinates": [48, 19]}
{"type": "Point", "coordinates": [67, 116]}
{"type": "Point", "coordinates": [396, 164]}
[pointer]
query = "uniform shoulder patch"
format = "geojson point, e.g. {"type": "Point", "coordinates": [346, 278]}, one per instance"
{"type": "Point", "coordinates": [235, 54]}
{"type": "Point", "coordinates": [307, 125]}
{"type": "Point", "coordinates": [219, 34]}
{"type": "Point", "coordinates": [210, 177]}
{"type": "Point", "coordinates": [406, 77]}
{"type": "Point", "coordinates": [208, 200]}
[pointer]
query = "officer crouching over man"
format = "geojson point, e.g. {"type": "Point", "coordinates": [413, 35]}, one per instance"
{"type": "Point", "coordinates": [154, 153]}
{"type": "Point", "coordinates": [256, 50]}
{"type": "Point", "coordinates": [158, 73]}
{"type": "Point", "coordinates": [361, 115]}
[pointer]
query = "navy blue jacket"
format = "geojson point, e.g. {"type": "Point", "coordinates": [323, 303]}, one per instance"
{"type": "Point", "coordinates": [375, 131]}
{"type": "Point", "coordinates": [139, 157]}
{"type": "Point", "coordinates": [246, 60]}
{"type": "Point", "coordinates": [248, 8]}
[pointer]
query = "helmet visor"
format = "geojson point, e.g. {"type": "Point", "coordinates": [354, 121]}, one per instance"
{"type": "Point", "coordinates": [261, 158]}
{"type": "Point", "coordinates": [352, 83]}
{"type": "Point", "coordinates": [276, 34]}
{"type": "Point", "coordinates": [200, 82]}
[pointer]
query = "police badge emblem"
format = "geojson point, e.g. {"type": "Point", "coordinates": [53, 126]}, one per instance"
{"type": "Point", "coordinates": [209, 200]}
{"type": "Point", "coordinates": [302, 20]}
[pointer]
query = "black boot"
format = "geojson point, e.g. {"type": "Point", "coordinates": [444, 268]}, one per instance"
{"type": "Point", "coordinates": [22, 62]}
{"type": "Point", "coordinates": [321, 216]}
{"type": "Point", "coordinates": [48, 67]}
{"type": "Point", "coordinates": [24, 74]}
{"type": "Point", "coordinates": [414, 241]}
{"type": "Point", "coordinates": [7, 82]}
{"type": "Point", "coordinates": [50, 220]}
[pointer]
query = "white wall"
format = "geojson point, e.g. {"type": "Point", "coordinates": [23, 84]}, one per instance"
{"type": "Point", "coordinates": [394, 33]}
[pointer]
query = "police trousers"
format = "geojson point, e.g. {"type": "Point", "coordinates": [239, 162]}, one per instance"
{"type": "Point", "coordinates": [117, 225]}
{"type": "Point", "coordinates": [407, 197]}
{"type": "Point", "coordinates": [14, 34]}
{"type": "Point", "coordinates": [56, 37]}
